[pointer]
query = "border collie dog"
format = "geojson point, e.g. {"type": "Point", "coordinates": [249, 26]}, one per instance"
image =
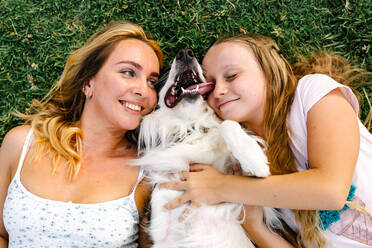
{"type": "Point", "coordinates": [184, 130]}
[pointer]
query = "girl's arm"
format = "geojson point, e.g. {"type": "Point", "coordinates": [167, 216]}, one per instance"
{"type": "Point", "coordinates": [258, 232]}
{"type": "Point", "coordinates": [333, 148]}
{"type": "Point", "coordinates": [10, 153]}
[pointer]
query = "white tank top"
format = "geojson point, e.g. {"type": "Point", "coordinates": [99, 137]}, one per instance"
{"type": "Point", "coordinates": [32, 221]}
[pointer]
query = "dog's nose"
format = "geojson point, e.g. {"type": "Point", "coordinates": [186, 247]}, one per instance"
{"type": "Point", "coordinates": [185, 55]}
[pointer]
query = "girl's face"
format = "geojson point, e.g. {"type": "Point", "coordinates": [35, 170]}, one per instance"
{"type": "Point", "coordinates": [240, 91]}
{"type": "Point", "coordinates": [122, 92]}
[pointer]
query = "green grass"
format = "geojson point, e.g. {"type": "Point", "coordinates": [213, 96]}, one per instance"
{"type": "Point", "coordinates": [37, 36]}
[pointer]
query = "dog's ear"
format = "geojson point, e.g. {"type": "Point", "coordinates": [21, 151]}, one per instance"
{"type": "Point", "coordinates": [164, 72]}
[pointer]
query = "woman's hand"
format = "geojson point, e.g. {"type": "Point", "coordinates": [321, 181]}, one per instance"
{"type": "Point", "coordinates": [203, 184]}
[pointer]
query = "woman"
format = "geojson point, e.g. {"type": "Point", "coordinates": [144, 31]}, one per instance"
{"type": "Point", "coordinates": [65, 177]}
{"type": "Point", "coordinates": [319, 152]}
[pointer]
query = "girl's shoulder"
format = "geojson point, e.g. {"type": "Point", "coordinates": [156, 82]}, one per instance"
{"type": "Point", "coordinates": [316, 82]}
{"type": "Point", "coordinates": [11, 147]}
{"type": "Point", "coordinates": [313, 87]}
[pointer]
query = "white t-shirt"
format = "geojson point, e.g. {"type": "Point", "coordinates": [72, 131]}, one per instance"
{"type": "Point", "coordinates": [353, 226]}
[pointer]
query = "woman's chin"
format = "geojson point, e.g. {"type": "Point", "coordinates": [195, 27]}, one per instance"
{"type": "Point", "coordinates": [128, 123]}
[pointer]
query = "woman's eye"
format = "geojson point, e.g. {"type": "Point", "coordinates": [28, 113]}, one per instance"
{"type": "Point", "coordinates": [128, 73]}
{"type": "Point", "coordinates": [152, 83]}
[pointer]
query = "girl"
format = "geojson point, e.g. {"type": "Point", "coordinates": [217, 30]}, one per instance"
{"type": "Point", "coordinates": [65, 178]}
{"type": "Point", "coordinates": [319, 152]}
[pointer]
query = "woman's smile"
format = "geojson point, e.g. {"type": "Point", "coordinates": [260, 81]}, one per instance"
{"type": "Point", "coordinates": [131, 107]}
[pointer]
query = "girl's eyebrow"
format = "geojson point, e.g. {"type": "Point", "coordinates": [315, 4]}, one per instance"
{"type": "Point", "coordinates": [231, 66]}
{"type": "Point", "coordinates": [138, 66]}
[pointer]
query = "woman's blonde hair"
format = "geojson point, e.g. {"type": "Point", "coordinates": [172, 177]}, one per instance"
{"type": "Point", "coordinates": [55, 118]}
{"type": "Point", "coordinates": [281, 83]}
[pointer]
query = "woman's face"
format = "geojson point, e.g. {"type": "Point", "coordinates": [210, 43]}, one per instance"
{"type": "Point", "coordinates": [239, 92]}
{"type": "Point", "coordinates": [122, 91]}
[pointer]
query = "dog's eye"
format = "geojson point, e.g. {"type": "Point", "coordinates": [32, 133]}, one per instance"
{"type": "Point", "coordinates": [204, 74]}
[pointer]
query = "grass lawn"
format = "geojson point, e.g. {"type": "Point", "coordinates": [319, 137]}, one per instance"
{"type": "Point", "coordinates": [36, 36]}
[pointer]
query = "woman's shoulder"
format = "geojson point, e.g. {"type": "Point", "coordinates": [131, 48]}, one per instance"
{"type": "Point", "coordinates": [16, 135]}
{"type": "Point", "coordinates": [11, 147]}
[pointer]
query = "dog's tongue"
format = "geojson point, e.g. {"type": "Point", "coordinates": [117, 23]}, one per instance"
{"type": "Point", "coordinates": [204, 88]}
{"type": "Point", "coordinates": [170, 100]}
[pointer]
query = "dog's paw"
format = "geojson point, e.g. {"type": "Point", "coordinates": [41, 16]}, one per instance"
{"type": "Point", "coordinates": [231, 132]}
{"type": "Point", "coordinates": [260, 170]}
{"type": "Point", "coordinates": [227, 127]}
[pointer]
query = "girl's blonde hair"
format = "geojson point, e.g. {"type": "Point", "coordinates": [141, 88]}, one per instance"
{"type": "Point", "coordinates": [281, 83]}
{"type": "Point", "coordinates": [55, 118]}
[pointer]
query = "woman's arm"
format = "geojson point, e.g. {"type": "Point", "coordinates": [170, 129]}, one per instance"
{"type": "Point", "coordinates": [4, 183]}
{"type": "Point", "coordinates": [144, 237]}
{"type": "Point", "coordinates": [3, 242]}
{"type": "Point", "coordinates": [10, 153]}
{"type": "Point", "coordinates": [333, 148]}
{"type": "Point", "coordinates": [144, 190]}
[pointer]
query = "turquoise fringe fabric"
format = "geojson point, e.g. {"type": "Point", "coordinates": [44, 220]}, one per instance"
{"type": "Point", "coordinates": [328, 217]}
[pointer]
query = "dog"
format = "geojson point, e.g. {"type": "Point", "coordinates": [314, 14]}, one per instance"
{"type": "Point", "coordinates": [184, 130]}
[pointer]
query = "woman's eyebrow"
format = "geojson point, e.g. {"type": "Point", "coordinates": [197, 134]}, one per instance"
{"type": "Point", "coordinates": [138, 66]}
{"type": "Point", "coordinates": [154, 74]}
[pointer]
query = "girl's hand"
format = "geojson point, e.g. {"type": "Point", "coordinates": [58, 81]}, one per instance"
{"type": "Point", "coordinates": [257, 230]}
{"type": "Point", "coordinates": [253, 216]}
{"type": "Point", "coordinates": [203, 184]}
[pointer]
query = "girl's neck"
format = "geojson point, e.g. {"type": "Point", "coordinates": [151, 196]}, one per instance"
{"type": "Point", "coordinates": [257, 129]}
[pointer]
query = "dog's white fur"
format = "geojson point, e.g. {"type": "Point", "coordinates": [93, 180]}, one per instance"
{"type": "Point", "coordinates": [191, 133]}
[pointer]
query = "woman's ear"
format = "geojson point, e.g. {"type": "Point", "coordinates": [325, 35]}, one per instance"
{"type": "Point", "coordinates": [88, 89]}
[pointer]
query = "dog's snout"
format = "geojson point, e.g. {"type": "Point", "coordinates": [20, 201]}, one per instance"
{"type": "Point", "coordinates": [185, 55]}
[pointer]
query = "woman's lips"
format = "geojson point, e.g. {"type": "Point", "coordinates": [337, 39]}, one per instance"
{"type": "Point", "coordinates": [133, 107]}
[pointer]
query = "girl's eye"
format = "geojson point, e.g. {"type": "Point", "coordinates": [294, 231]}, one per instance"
{"type": "Point", "coordinates": [128, 73]}
{"type": "Point", "coordinates": [231, 77]}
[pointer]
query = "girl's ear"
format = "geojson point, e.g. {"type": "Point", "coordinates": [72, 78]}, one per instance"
{"type": "Point", "coordinates": [88, 89]}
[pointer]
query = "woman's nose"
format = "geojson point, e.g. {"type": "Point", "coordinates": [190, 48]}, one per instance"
{"type": "Point", "coordinates": [141, 88]}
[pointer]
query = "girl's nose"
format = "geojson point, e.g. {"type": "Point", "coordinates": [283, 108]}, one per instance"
{"type": "Point", "coordinates": [220, 89]}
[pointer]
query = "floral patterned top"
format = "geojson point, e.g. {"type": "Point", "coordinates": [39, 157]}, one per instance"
{"type": "Point", "coordinates": [32, 221]}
